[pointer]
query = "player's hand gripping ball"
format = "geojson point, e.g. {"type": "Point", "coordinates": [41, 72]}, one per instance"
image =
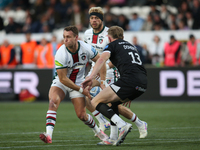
{"type": "Point", "coordinates": [94, 91]}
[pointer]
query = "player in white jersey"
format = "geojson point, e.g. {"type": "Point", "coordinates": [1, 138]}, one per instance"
{"type": "Point", "coordinates": [97, 37]}
{"type": "Point", "coordinates": [70, 61]}
{"type": "Point", "coordinates": [99, 41]}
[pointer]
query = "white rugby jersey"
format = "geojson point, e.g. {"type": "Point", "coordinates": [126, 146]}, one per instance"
{"type": "Point", "coordinates": [75, 62]}
{"type": "Point", "coordinates": [97, 40]}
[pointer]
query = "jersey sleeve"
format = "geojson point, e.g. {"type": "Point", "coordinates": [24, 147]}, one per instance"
{"type": "Point", "coordinates": [108, 48]}
{"type": "Point", "coordinates": [61, 59]}
{"type": "Point", "coordinates": [85, 38]}
{"type": "Point", "coordinates": [93, 52]}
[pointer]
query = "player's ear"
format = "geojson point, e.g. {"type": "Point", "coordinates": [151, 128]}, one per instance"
{"type": "Point", "coordinates": [76, 37]}
{"type": "Point", "coordinates": [109, 38]}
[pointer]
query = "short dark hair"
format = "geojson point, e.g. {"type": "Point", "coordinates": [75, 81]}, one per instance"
{"type": "Point", "coordinates": [191, 36]}
{"type": "Point", "coordinates": [116, 32]}
{"type": "Point", "coordinates": [172, 37]}
{"type": "Point", "coordinates": [74, 29]}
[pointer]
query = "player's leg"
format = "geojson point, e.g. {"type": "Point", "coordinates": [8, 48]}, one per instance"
{"type": "Point", "coordinates": [103, 122]}
{"type": "Point", "coordinates": [113, 128]}
{"type": "Point", "coordinates": [100, 101]}
{"type": "Point", "coordinates": [127, 113]}
{"type": "Point", "coordinates": [56, 95]}
{"type": "Point", "coordinates": [80, 109]}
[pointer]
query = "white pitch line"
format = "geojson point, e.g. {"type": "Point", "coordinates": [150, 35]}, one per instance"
{"type": "Point", "coordinates": [172, 128]}
{"type": "Point", "coordinates": [54, 141]}
{"type": "Point", "coordinates": [76, 145]}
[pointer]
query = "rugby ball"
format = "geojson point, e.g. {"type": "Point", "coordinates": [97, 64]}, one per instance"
{"type": "Point", "coordinates": [94, 91]}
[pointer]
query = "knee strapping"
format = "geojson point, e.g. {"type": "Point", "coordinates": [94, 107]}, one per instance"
{"type": "Point", "coordinates": [52, 104]}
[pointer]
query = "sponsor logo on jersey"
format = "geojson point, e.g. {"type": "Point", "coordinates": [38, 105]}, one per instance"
{"type": "Point", "coordinates": [100, 41]}
{"type": "Point", "coordinates": [122, 42]}
{"type": "Point", "coordinates": [57, 63]}
{"type": "Point", "coordinates": [97, 47]}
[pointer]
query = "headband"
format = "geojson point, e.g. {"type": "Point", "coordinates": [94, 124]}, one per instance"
{"type": "Point", "coordinates": [97, 14]}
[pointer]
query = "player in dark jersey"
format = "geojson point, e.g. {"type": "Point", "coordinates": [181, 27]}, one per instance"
{"type": "Point", "coordinates": [132, 82]}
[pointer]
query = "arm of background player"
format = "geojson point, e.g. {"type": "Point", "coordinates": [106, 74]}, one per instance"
{"type": "Point", "coordinates": [110, 65]}
{"type": "Point", "coordinates": [97, 67]}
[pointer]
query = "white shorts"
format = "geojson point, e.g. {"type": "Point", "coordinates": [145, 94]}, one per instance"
{"type": "Point", "coordinates": [72, 93]}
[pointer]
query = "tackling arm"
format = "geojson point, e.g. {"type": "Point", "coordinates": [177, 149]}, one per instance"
{"type": "Point", "coordinates": [103, 69]}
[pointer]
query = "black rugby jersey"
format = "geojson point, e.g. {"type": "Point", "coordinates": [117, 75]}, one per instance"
{"type": "Point", "coordinates": [126, 58]}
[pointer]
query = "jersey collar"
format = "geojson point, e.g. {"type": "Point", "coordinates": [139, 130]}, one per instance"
{"type": "Point", "coordinates": [76, 50]}
{"type": "Point", "coordinates": [99, 32]}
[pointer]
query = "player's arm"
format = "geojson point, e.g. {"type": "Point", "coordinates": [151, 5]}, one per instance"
{"type": "Point", "coordinates": [102, 72]}
{"type": "Point", "coordinates": [109, 65]}
{"type": "Point", "coordinates": [97, 67]}
{"type": "Point", "coordinates": [62, 74]}
{"type": "Point", "coordinates": [100, 63]}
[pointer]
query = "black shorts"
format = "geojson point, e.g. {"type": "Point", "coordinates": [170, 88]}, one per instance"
{"type": "Point", "coordinates": [128, 90]}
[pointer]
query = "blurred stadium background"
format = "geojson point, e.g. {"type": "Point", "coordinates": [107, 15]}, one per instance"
{"type": "Point", "coordinates": [148, 24]}
{"type": "Point", "coordinates": [170, 105]}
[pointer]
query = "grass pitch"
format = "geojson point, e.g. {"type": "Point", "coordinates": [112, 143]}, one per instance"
{"type": "Point", "coordinates": [171, 125]}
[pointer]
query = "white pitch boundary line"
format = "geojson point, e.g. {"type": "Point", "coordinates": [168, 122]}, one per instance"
{"type": "Point", "coordinates": [172, 128]}
{"type": "Point", "coordinates": [54, 141]}
{"type": "Point", "coordinates": [76, 145]}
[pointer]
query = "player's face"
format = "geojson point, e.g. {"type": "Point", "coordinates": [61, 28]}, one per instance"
{"type": "Point", "coordinates": [95, 22]}
{"type": "Point", "coordinates": [69, 39]}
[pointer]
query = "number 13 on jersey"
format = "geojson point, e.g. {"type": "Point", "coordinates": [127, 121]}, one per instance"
{"type": "Point", "coordinates": [135, 58]}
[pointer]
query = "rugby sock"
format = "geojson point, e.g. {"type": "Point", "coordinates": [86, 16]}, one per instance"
{"type": "Point", "coordinates": [91, 123]}
{"type": "Point", "coordinates": [136, 120]}
{"type": "Point", "coordinates": [118, 121]}
{"type": "Point", "coordinates": [113, 131]}
{"type": "Point", "coordinates": [99, 116]}
{"type": "Point", "coordinates": [50, 122]}
{"type": "Point", "coordinates": [109, 113]}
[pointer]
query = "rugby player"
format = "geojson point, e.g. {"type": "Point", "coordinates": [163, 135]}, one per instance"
{"type": "Point", "coordinates": [70, 61]}
{"type": "Point", "coordinates": [97, 36]}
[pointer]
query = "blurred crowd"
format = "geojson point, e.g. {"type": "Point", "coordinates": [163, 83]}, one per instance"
{"type": "Point", "coordinates": [39, 16]}
{"type": "Point", "coordinates": [173, 53]}
{"type": "Point", "coordinates": [43, 16]}
{"type": "Point", "coordinates": [40, 54]}
{"type": "Point", "coordinates": [29, 54]}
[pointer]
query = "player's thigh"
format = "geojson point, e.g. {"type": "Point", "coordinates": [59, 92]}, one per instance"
{"type": "Point", "coordinates": [79, 106]}
{"type": "Point", "coordinates": [107, 95]}
{"type": "Point", "coordinates": [56, 94]}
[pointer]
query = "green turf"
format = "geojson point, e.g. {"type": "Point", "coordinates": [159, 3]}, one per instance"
{"type": "Point", "coordinates": [171, 125]}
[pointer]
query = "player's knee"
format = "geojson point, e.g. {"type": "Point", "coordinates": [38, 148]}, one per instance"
{"type": "Point", "coordinates": [53, 103]}
{"type": "Point", "coordinates": [81, 115]}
